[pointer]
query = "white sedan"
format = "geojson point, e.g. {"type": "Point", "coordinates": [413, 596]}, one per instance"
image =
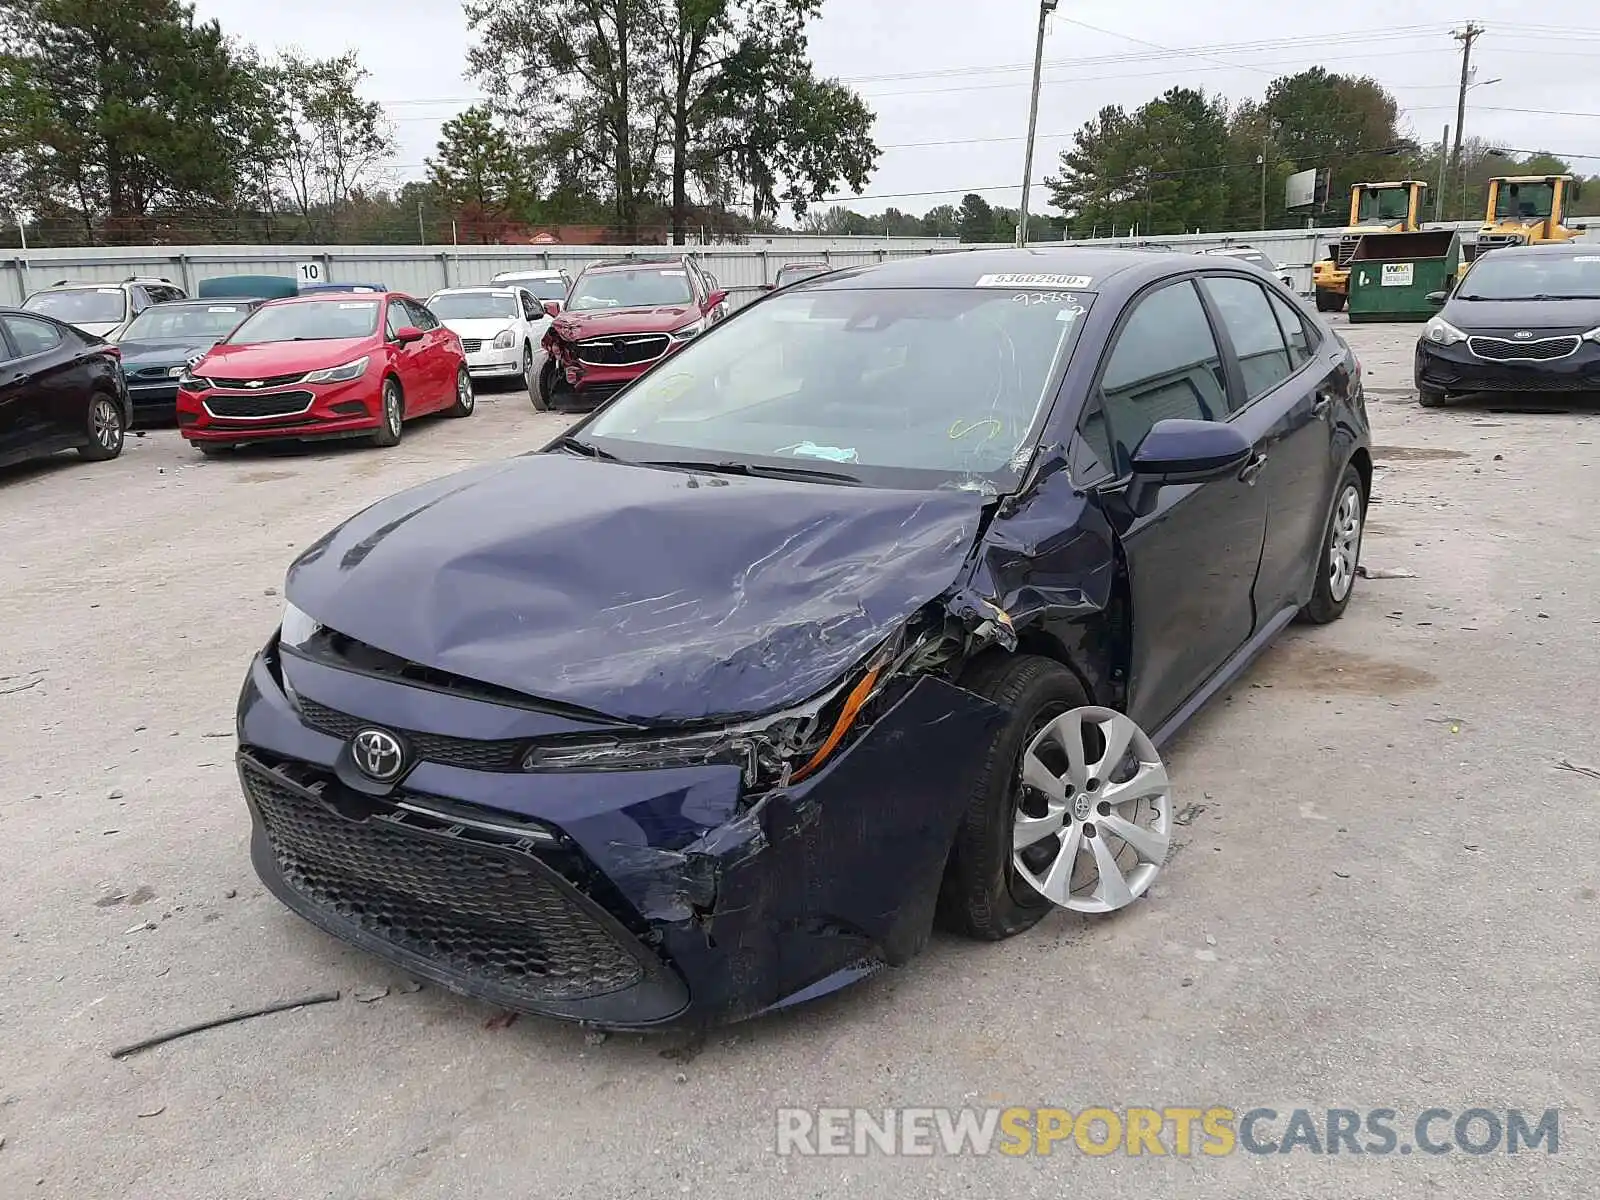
{"type": "Point", "coordinates": [501, 329]}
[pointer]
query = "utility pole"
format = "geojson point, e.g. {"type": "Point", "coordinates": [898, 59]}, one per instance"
{"type": "Point", "coordinates": [1262, 159]}
{"type": "Point", "coordinates": [1466, 37]}
{"type": "Point", "coordinates": [1444, 149]}
{"type": "Point", "coordinates": [1046, 7]}
{"type": "Point", "coordinates": [422, 228]}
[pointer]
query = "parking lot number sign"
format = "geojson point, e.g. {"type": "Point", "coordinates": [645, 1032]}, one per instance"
{"type": "Point", "coordinates": [1398, 274]}
{"type": "Point", "coordinates": [309, 272]}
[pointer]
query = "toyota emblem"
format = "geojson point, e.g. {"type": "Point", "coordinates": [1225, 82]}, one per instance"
{"type": "Point", "coordinates": [378, 755]}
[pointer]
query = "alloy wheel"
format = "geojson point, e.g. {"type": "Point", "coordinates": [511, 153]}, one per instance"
{"type": "Point", "coordinates": [464, 394]}
{"type": "Point", "coordinates": [1095, 816]}
{"type": "Point", "coordinates": [529, 379]}
{"type": "Point", "coordinates": [106, 422]}
{"type": "Point", "coordinates": [1344, 544]}
{"type": "Point", "coordinates": [391, 410]}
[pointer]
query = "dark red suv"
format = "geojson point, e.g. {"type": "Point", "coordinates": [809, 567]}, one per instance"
{"type": "Point", "coordinates": [620, 319]}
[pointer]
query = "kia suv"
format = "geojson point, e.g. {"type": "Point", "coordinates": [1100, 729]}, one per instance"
{"type": "Point", "coordinates": [620, 319]}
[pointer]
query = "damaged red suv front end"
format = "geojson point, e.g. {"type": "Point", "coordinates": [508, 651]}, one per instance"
{"type": "Point", "coordinates": [619, 321]}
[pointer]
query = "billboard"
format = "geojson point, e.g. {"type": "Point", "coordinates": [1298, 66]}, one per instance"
{"type": "Point", "coordinates": [1301, 190]}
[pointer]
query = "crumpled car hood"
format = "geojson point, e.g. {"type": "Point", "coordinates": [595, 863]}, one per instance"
{"type": "Point", "coordinates": [651, 596]}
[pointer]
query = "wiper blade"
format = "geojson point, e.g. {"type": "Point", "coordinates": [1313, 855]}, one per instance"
{"type": "Point", "coordinates": [588, 449]}
{"type": "Point", "coordinates": [758, 470]}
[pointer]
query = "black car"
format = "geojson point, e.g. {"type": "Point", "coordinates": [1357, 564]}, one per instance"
{"type": "Point", "coordinates": [1523, 319]}
{"type": "Point", "coordinates": [165, 340]}
{"type": "Point", "coordinates": [873, 603]}
{"type": "Point", "coordinates": [60, 389]}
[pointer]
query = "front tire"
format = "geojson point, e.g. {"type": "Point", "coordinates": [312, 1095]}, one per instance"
{"type": "Point", "coordinates": [542, 392]}
{"type": "Point", "coordinates": [392, 415]}
{"type": "Point", "coordinates": [1340, 554]}
{"type": "Point", "coordinates": [982, 896]}
{"type": "Point", "coordinates": [1330, 301]}
{"type": "Point", "coordinates": [107, 429]}
{"type": "Point", "coordinates": [530, 377]}
{"type": "Point", "coordinates": [466, 400]}
{"type": "Point", "coordinates": [1429, 397]}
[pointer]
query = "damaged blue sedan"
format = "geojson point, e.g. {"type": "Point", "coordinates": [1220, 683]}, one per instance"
{"type": "Point", "coordinates": [871, 608]}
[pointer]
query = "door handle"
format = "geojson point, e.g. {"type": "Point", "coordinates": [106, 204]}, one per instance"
{"type": "Point", "coordinates": [1252, 469]}
{"type": "Point", "coordinates": [1321, 407]}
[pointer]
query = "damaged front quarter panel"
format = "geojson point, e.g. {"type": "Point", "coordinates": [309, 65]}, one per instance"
{"type": "Point", "coordinates": [841, 869]}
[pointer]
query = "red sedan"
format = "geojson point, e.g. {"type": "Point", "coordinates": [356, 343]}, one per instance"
{"type": "Point", "coordinates": [325, 366]}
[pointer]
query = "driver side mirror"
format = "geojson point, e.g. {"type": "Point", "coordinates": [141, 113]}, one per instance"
{"type": "Point", "coordinates": [552, 308]}
{"type": "Point", "coordinates": [1179, 451]}
{"type": "Point", "coordinates": [1438, 299]}
{"type": "Point", "coordinates": [407, 334]}
{"type": "Point", "coordinates": [716, 300]}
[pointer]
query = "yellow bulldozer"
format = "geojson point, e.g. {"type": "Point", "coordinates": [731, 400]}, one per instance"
{"type": "Point", "coordinates": [1527, 210]}
{"type": "Point", "coordinates": [1394, 207]}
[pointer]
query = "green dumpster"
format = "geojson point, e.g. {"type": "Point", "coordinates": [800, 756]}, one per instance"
{"type": "Point", "coordinates": [1392, 274]}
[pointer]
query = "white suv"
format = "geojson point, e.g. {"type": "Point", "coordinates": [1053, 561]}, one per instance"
{"type": "Point", "coordinates": [500, 327]}
{"type": "Point", "coordinates": [102, 309]}
{"type": "Point", "coordinates": [546, 286]}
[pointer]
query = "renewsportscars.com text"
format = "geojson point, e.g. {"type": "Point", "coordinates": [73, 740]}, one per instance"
{"type": "Point", "coordinates": [1213, 1131]}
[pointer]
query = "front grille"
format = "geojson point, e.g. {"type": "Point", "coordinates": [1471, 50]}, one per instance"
{"type": "Point", "coordinates": [1342, 252]}
{"type": "Point", "coordinates": [266, 381]}
{"type": "Point", "coordinates": [278, 404]}
{"type": "Point", "coordinates": [478, 905]}
{"type": "Point", "coordinates": [471, 345]}
{"type": "Point", "coordinates": [1495, 349]}
{"type": "Point", "coordinates": [623, 351]}
{"type": "Point", "coordinates": [153, 373]}
{"type": "Point", "coordinates": [474, 755]}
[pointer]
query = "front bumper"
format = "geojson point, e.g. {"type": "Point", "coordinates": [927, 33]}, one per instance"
{"type": "Point", "coordinates": [489, 363]}
{"type": "Point", "coordinates": [601, 382]}
{"type": "Point", "coordinates": [153, 399]}
{"type": "Point", "coordinates": [627, 899]}
{"type": "Point", "coordinates": [292, 412]}
{"type": "Point", "coordinates": [1456, 370]}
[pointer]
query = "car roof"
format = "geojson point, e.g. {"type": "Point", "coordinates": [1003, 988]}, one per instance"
{"type": "Point", "coordinates": [326, 297]}
{"type": "Point", "coordinates": [964, 268]}
{"type": "Point", "coordinates": [628, 264]}
{"type": "Point", "coordinates": [501, 288]}
{"type": "Point", "coordinates": [540, 273]}
{"type": "Point", "coordinates": [203, 301]}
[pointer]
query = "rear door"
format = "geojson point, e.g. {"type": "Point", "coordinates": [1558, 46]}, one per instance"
{"type": "Point", "coordinates": [439, 360]}
{"type": "Point", "coordinates": [1286, 412]}
{"type": "Point", "coordinates": [1191, 562]}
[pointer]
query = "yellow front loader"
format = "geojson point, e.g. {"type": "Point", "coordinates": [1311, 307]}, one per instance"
{"type": "Point", "coordinates": [1525, 210]}
{"type": "Point", "coordinates": [1394, 207]}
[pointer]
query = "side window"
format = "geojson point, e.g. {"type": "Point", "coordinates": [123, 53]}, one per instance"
{"type": "Point", "coordinates": [1247, 315]}
{"type": "Point", "coordinates": [140, 299]}
{"type": "Point", "coordinates": [395, 320]}
{"type": "Point", "coordinates": [531, 310]}
{"type": "Point", "coordinates": [1300, 341]}
{"type": "Point", "coordinates": [31, 335]}
{"type": "Point", "coordinates": [1165, 364]}
{"type": "Point", "coordinates": [421, 315]}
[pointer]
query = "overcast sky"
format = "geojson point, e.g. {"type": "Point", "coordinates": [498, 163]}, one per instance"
{"type": "Point", "coordinates": [958, 72]}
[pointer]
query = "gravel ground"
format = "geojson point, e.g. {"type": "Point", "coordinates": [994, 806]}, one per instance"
{"type": "Point", "coordinates": [1385, 894]}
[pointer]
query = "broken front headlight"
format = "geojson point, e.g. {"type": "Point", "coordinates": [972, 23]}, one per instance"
{"type": "Point", "coordinates": [297, 627]}
{"type": "Point", "coordinates": [770, 752]}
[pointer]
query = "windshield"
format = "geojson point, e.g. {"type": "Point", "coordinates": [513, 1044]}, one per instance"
{"type": "Point", "coordinates": [80, 306]}
{"type": "Point", "coordinates": [1524, 201]}
{"type": "Point", "coordinates": [185, 322]}
{"type": "Point", "coordinates": [642, 287]}
{"type": "Point", "coordinates": [309, 321]}
{"type": "Point", "coordinates": [1508, 276]}
{"type": "Point", "coordinates": [1383, 207]}
{"type": "Point", "coordinates": [475, 306]}
{"type": "Point", "coordinates": [943, 382]}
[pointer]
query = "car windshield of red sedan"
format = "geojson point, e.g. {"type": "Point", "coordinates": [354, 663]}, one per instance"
{"type": "Point", "coordinates": [474, 306]}
{"type": "Point", "coordinates": [75, 306]}
{"type": "Point", "coordinates": [643, 287]}
{"type": "Point", "coordinates": [309, 321]}
{"type": "Point", "coordinates": [949, 382]}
